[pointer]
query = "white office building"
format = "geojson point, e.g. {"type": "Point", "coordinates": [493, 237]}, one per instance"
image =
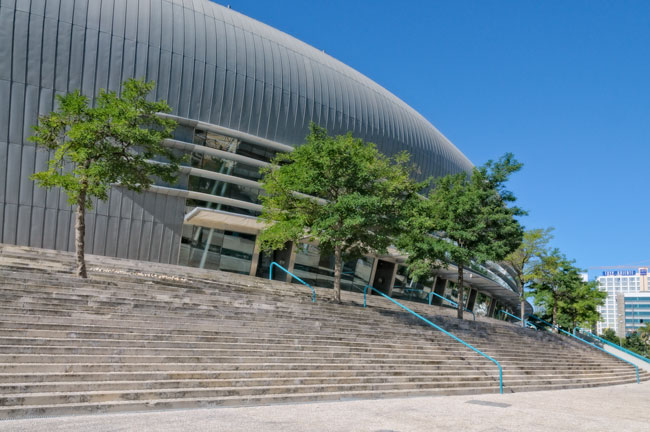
{"type": "Point", "coordinates": [615, 282]}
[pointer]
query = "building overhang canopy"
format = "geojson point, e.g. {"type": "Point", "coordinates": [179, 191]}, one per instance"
{"type": "Point", "coordinates": [225, 221]}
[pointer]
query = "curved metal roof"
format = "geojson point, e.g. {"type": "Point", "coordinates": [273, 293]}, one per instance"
{"type": "Point", "coordinates": [218, 66]}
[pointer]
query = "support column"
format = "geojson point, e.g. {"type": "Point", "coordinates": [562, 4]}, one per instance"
{"type": "Point", "coordinates": [392, 281]}
{"type": "Point", "coordinates": [206, 249]}
{"type": "Point", "coordinates": [292, 260]}
{"type": "Point", "coordinates": [375, 261]}
{"type": "Point", "coordinates": [255, 260]}
{"type": "Point", "coordinates": [492, 306]}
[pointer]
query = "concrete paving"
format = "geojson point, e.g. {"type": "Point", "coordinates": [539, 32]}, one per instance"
{"type": "Point", "coordinates": [614, 408]}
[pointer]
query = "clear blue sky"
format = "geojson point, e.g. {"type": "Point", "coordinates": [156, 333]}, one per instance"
{"type": "Point", "coordinates": [564, 85]}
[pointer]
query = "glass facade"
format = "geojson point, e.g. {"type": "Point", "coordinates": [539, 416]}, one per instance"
{"type": "Point", "coordinates": [408, 289]}
{"type": "Point", "coordinates": [220, 188]}
{"type": "Point", "coordinates": [451, 292]}
{"type": "Point", "coordinates": [318, 269]}
{"type": "Point", "coordinates": [216, 249]}
{"type": "Point", "coordinates": [228, 167]}
{"type": "Point", "coordinates": [482, 304]}
{"type": "Point", "coordinates": [637, 311]}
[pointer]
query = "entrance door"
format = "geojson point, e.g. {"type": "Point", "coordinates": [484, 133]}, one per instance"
{"type": "Point", "coordinates": [282, 257]}
{"type": "Point", "coordinates": [383, 276]}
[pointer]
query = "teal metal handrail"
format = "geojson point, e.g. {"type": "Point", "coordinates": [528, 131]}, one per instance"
{"type": "Point", "coordinates": [449, 301]}
{"type": "Point", "coordinates": [612, 344]}
{"type": "Point", "coordinates": [593, 345]}
{"type": "Point", "coordinates": [313, 299]}
{"type": "Point", "coordinates": [365, 289]}
{"type": "Point", "coordinates": [516, 317]}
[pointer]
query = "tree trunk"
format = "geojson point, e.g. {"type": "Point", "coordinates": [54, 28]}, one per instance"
{"type": "Point", "coordinates": [460, 291]}
{"type": "Point", "coordinates": [338, 270]}
{"type": "Point", "coordinates": [523, 306]}
{"type": "Point", "coordinates": [80, 232]}
{"type": "Point", "coordinates": [555, 316]}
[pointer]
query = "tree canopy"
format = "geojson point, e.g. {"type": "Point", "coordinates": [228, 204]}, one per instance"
{"type": "Point", "coordinates": [338, 191]}
{"type": "Point", "coordinates": [524, 259]}
{"type": "Point", "coordinates": [464, 219]}
{"type": "Point", "coordinates": [559, 288]}
{"type": "Point", "coordinates": [94, 147]}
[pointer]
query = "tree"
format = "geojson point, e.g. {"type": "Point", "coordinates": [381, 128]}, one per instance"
{"type": "Point", "coordinates": [635, 343]}
{"type": "Point", "coordinates": [644, 333]}
{"type": "Point", "coordinates": [558, 287]}
{"type": "Point", "coordinates": [113, 142]}
{"type": "Point", "coordinates": [579, 307]}
{"type": "Point", "coordinates": [339, 191]}
{"type": "Point", "coordinates": [464, 219]}
{"type": "Point", "coordinates": [610, 335]}
{"type": "Point", "coordinates": [525, 257]}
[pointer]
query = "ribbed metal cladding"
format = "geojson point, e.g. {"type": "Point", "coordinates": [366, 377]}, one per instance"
{"type": "Point", "coordinates": [211, 64]}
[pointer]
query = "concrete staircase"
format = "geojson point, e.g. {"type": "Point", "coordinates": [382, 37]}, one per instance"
{"type": "Point", "coordinates": [139, 335]}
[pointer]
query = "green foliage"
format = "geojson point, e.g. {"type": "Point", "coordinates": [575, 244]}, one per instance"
{"type": "Point", "coordinates": [111, 142]}
{"type": "Point", "coordinates": [610, 335]}
{"type": "Point", "coordinates": [644, 333]}
{"type": "Point", "coordinates": [524, 259]}
{"type": "Point", "coordinates": [580, 306]}
{"type": "Point", "coordinates": [634, 342]}
{"type": "Point", "coordinates": [339, 191]}
{"type": "Point", "coordinates": [558, 288]}
{"type": "Point", "coordinates": [464, 219]}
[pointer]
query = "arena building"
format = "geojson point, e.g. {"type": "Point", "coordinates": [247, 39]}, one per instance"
{"type": "Point", "coordinates": [241, 91]}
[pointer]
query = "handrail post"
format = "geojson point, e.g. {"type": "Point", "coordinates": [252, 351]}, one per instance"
{"type": "Point", "coordinates": [438, 328]}
{"type": "Point", "coordinates": [313, 298]}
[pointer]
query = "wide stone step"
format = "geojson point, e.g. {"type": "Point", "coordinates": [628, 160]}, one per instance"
{"type": "Point", "coordinates": [237, 290]}
{"type": "Point", "coordinates": [14, 352]}
{"type": "Point", "coordinates": [556, 338]}
{"type": "Point", "coordinates": [180, 403]}
{"type": "Point", "coordinates": [116, 311]}
{"type": "Point", "coordinates": [261, 338]}
{"type": "Point", "coordinates": [159, 322]}
{"type": "Point", "coordinates": [87, 386]}
{"type": "Point", "coordinates": [107, 396]}
{"type": "Point", "coordinates": [441, 381]}
{"type": "Point", "coordinates": [15, 382]}
{"type": "Point", "coordinates": [9, 343]}
{"type": "Point", "coordinates": [147, 375]}
{"type": "Point", "coordinates": [458, 347]}
{"type": "Point", "coordinates": [45, 367]}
